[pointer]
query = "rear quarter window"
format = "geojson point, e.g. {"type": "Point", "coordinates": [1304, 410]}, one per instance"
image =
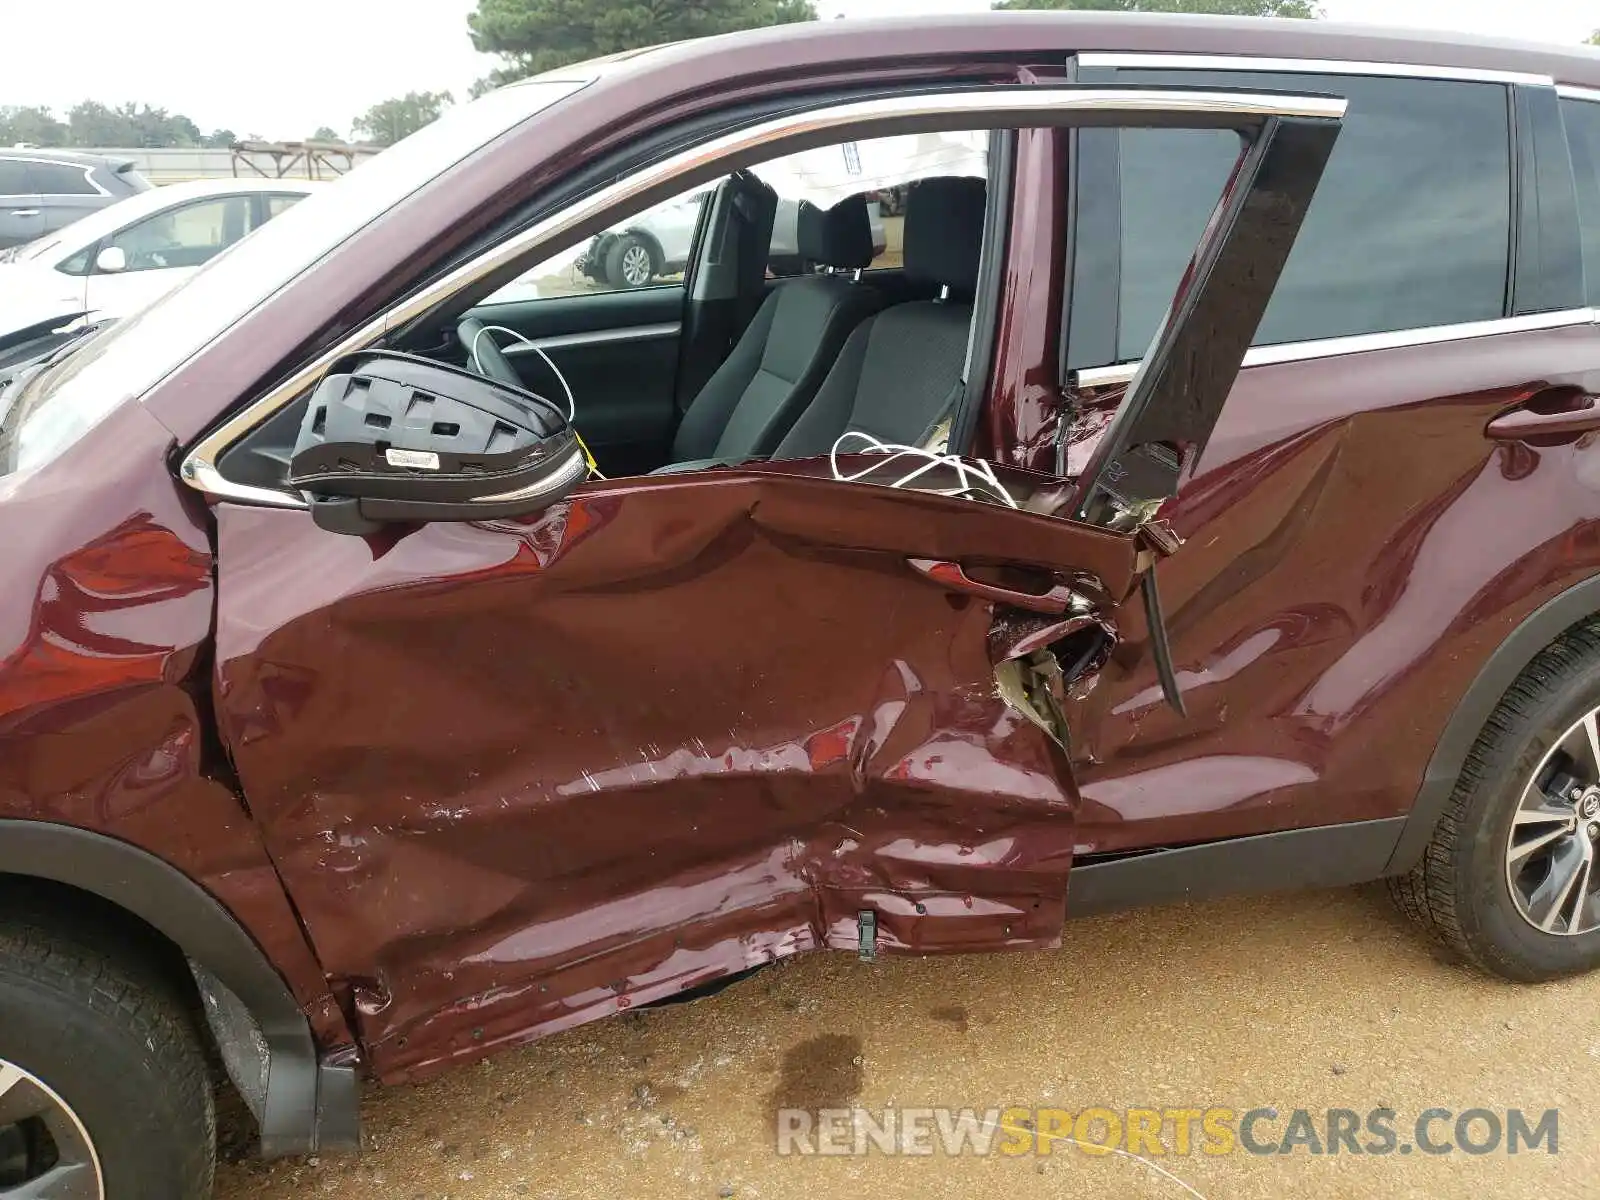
{"type": "Point", "coordinates": [1410, 228]}
{"type": "Point", "coordinates": [60, 179]}
{"type": "Point", "coordinates": [281, 202]}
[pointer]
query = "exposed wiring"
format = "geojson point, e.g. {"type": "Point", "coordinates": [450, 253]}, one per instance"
{"type": "Point", "coordinates": [982, 483]}
{"type": "Point", "coordinates": [477, 365]}
{"type": "Point", "coordinates": [572, 404]}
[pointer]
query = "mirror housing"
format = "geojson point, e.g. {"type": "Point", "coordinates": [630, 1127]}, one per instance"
{"type": "Point", "coordinates": [111, 260]}
{"type": "Point", "coordinates": [392, 437]}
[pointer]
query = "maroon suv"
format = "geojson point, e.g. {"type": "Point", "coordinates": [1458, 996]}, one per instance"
{"type": "Point", "coordinates": [411, 647]}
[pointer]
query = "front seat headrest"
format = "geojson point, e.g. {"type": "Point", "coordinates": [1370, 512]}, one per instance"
{"type": "Point", "coordinates": [840, 236]}
{"type": "Point", "coordinates": [944, 231]}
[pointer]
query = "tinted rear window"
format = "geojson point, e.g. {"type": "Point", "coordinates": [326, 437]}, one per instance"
{"type": "Point", "coordinates": [1411, 226]}
{"type": "Point", "coordinates": [13, 178]}
{"type": "Point", "coordinates": [59, 179]}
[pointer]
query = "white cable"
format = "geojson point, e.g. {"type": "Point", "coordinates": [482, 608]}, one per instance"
{"type": "Point", "coordinates": [985, 480]}
{"type": "Point", "coordinates": [477, 365]}
{"type": "Point", "coordinates": [572, 404]}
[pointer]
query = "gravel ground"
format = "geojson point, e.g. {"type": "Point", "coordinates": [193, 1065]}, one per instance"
{"type": "Point", "coordinates": [1317, 1000]}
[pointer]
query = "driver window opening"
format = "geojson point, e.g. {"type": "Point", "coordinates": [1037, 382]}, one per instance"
{"type": "Point", "coordinates": [655, 247]}
{"type": "Point", "coordinates": [808, 310]}
{"type": "Point", "coordinates": [823, 304]}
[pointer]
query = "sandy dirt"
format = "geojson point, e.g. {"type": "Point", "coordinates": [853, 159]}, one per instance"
{"type": "Point", "coordinates": [1311, 1001]}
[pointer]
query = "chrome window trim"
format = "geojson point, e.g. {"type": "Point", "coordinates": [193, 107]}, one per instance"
{"type": "Point", "coordinates": [1318, 66]}
{"type": "Point", "coordinates": [1568, 92]}
{"type": "Point", "coordinates": [600, 337]}
{"type": "Point", "coordinates": [970, 108]}
{"type": "Point", "coordinates": [1364, 343]}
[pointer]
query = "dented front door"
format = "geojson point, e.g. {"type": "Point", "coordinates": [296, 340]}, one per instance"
{"type": "Point", "coordinates": [520, 774]}
{"type": "Point", "coordinates": [516, 775]}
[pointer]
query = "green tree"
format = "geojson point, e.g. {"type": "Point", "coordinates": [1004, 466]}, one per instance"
{"type": "Point", "coordinates": [158, 127]}
{"type": "Point", "coordinates": [539, 35]}
{"type": "Point", "coordinates": [326, 133]}
{"type": "Point", "coordinates": [94, 124]}
{"type": "Point", "coordinates": [1594, 38]}
{"type": "Point", "coordinates": [31, 125]}
{"type": "Point", "coordinates": [1226, 8]}
{"type": "Point", "coordinates": [388, 122]}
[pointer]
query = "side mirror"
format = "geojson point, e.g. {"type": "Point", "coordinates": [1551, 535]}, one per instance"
{"type": "Point", "coordinates": [110, 260]}
{"type": "Point", "coordinates": [391, 437]}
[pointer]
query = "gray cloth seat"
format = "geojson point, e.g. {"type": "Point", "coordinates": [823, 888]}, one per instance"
{"type": "Point", "coordinates": [780, 361]}
{"type": "Point", "coordinates": [900, 372]}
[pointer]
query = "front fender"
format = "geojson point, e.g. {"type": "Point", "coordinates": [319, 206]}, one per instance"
{"type": "Point", "coordinates": [305, 1104]}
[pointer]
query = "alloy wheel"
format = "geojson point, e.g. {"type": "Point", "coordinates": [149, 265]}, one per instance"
{"type": "Point", "coordinates": [1555, 836]}
{"type": "Point", "coordinates": [45, 1151]}
{"type": "Point", "coordinates": [636, 265]}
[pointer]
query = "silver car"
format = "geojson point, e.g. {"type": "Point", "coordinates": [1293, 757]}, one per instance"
{"type": "Point", "coordinates": [658, 242]}
{"type": "Point", "coordinates": [42, 191]}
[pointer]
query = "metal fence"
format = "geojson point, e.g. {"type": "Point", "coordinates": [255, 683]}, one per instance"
{"type": "Point", "coordinates": [249, 160]}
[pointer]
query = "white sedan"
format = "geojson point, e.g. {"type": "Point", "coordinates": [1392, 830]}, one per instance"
{"type": "Point", "coordinates": [119, 258]}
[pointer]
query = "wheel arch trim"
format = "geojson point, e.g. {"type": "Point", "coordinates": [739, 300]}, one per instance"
{"type": "Point", "coordinates": [308, 1105]}
{"type": "Point", "coordinates": [1520, 647]}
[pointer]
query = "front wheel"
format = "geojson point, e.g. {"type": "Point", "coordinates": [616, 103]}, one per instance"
{"type": "Point", "coordinates": [104, 1091]}
{"type": "Point", "coordinates": [1510, 879]}
{"type": "Point", "coordinates": [630, 263]}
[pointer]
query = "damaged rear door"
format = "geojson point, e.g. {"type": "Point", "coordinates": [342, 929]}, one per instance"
{"type": "Point", "coordinates": [519, 774]}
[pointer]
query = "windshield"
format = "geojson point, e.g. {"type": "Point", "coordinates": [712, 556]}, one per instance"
{"type": "Point", "coordinates": [126, 360]}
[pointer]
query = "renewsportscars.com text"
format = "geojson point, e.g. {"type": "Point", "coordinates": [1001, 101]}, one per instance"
{"type": "Point", "coordinates": [1156, 1132]}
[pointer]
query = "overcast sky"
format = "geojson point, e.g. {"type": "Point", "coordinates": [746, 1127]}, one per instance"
{"type": "Point", "coordinates": [281, 68]}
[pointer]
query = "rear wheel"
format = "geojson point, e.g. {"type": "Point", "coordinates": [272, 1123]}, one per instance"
{"type": "Point", "coordinates": [1510, 880]}
{"type": "Point", "coordinates": [104, 1091]}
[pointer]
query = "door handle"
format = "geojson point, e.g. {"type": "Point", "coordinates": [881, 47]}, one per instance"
{"type": "Point", "coordinates": [1525, 422]}
{"type": "Point", "coordinates": [950, 575]}
{"type": "Point", "coordinates": [24, 212]}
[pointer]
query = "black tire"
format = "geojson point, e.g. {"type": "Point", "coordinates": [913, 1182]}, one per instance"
{"type": "Point", "coordinates": [118, 1044]}
{"type": "Point", "coordinates": [631, 262]}
{"type": "Point", "coordinates": [1459, 891]}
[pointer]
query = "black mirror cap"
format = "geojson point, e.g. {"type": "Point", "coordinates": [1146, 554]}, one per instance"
{"type": "Point", "coordinates": [410, 439]}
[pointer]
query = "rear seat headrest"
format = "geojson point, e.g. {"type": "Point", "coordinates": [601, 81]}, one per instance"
{"type": "Point", "coordinates": [944, 231]}
{"type": "Point", "coordinates": [840, 236]}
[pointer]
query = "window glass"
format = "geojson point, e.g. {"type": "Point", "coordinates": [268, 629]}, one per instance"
{"type": "Point", "coordinates": [60, 179]}
{"type": "Point", "coordinates": [188, 236]}
{"type": "Point", "coordinates": [281, 202]}
{"type": "Point", "coordinates": [1582, 120]}
{"type": "Point", "coordinates": [655, 247]}
{"type": "Point", "coordinates": [881, 169]}
{"type": "Point", "coordinates": [650, 249]}
{"type": "Point", "coordinates": [1410, 227]}
{"type": "Point", "coordinates": [126, 359]}
{"type": "Point", "coordinates": [13, 178]}
{"type": "Point", "coordinates": [80, 263]}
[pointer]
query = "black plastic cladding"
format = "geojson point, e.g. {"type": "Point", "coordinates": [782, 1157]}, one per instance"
{"type": "Point", "coordinates": [376, 402]}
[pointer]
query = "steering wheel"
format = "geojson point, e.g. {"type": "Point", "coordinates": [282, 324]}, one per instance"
{"type": "Point", "coordinates": [481, 350]}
